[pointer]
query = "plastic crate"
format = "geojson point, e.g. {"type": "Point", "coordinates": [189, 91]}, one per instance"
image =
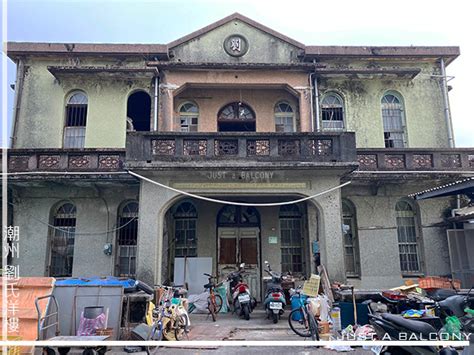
{"type": "Point", "coordinates": [434, 282]}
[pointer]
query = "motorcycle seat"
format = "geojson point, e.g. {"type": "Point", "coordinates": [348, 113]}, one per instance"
{"type": "Point", "coordinates": [414, 326]}
{"type": "Point", "coordinates": [441, 294]}
{"type": "Point", "coordinates": [455, 304]}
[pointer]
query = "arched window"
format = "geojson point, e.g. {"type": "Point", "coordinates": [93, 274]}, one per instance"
{"type": "Point", "coordinates": [408, 241]}
{"type": "Point", "coordinates": [236, 117]}
{"type": "Point", "coordinates": [185, 218]}
{"type": "Point", "coordinates": [332, 112]}
{"type": "Point", "coordinates": [393, 121]}
{"type": "Point", "coordinates": [76, 119]}
{"type": "Point", "coordinates": [189, 116]}
{"type": "Point", "coordinates": [62, 240]}
{"type": "Point", "coordinates": [291, 239]}
{"type": "Point", "coordinates": [138, 111]}
{"type": "Point", "coordinates": [284, 117]}
{"type": "Point", "coordinates": [351, 242]}
{"type": "Point", "coordinates": [127, 235]}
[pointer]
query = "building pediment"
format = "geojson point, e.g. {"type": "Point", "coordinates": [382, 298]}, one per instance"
{"type": "Point", "coordinates": [236, 39]}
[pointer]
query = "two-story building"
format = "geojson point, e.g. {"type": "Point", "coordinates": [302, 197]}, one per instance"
{"type": "Point", "coordinates": [315, 149]}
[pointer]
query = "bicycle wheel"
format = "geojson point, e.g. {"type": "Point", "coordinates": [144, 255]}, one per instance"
{"type": "Point", "coordinates": [313, 326]}
{"type": "Point", "coordinates": [218, 304]}
{"type": "Point", "coordinates": [298, 321]}
{"type": "Point", "coordinates": [181, 327]}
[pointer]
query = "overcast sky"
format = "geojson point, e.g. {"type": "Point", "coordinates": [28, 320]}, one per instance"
{"type": "Point", "coordinates": [341, 22]}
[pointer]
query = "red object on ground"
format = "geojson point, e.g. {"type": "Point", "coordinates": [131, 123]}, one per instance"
{"type": "Point", "coordinates": [394, 295]}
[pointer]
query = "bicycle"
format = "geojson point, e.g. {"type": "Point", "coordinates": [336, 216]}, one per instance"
{"type": "Point", "coordinates": [170, 317]}
{"type": "Point", "coordinates": [214, 301]}
{"type": "Point", "coordinates": [302, 320]}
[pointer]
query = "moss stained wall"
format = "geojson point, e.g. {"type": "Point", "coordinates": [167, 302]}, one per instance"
{"type": "Point", "coordinates": [42, 112]}
{"type": "Point", "coordinates": [423, 103]}
{"type": "Point", "coordinates": [41, 116]}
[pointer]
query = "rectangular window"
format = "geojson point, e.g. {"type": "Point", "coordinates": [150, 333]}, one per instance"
{"type": "Point", "coordinates": [350, 249]}
{"type": "Point", "coordinates": [284, 124]}
{"type": "Point", "coordinates": [332, 118]}
{"type": "Point", "coordinates": [407, 242]}
{"type": "Point", "coordinates": [62, 250]}
{"type": "Point", "coordinates": [189, 124]}
{"type": "Point", "coordinates": [127, 260]}
{"type": "Point", "coordinates": [185, 237]}
{"type": "Point", "coordinates": [291, 245]}
{"type": "Point", "coordinates": [75, 130]}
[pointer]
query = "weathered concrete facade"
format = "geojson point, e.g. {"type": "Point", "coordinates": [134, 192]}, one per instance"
{"type": "Point", "coordinates": [234, 61]}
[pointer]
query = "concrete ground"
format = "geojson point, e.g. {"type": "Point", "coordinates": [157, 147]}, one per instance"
{"type": "Point", "coordinates": [229, 327]}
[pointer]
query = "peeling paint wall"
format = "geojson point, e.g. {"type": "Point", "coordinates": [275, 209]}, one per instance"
{"type": "Point", "coordinates": [97, 209]}
{"type": "Point", "coordinates": [422, 99]}
{"type": "Point", "coordinates": [42, 111]}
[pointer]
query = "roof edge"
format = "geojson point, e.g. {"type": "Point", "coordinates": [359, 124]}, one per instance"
{"type": "Point", "coordinates": [451, 52]}
{"type": "Point", "coordinates": [14, 49]}
{"type": "Point", "coordinates": [234, 16]}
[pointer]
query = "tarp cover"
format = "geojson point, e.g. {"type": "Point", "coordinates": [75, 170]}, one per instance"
{"type": "Point", "coordinates": [96, 281]}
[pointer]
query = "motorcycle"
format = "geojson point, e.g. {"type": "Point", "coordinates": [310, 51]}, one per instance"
{"type": "Point", "coordinates": [275, 301]}
{"type": "Point", "coordinates": [396, 327]}
{"type": "Point", "coordinates": [242, 302]}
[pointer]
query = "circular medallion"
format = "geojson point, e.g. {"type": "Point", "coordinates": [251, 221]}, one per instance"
{"type": "Point", "coordinates": [236, 45]}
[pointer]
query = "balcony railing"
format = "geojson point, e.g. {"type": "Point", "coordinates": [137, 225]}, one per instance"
{"type": "Point", "coordinates": [73, 160]}
{"type": "Point", "coordinates": [393, 159]}
{"type": "Point", "coordinates": [180, 146]}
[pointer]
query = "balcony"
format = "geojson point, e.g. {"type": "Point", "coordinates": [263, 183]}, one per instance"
{"type": "Point", "coordinates": [416, 159]}
{"type": "Point", "coordinates": [152, 149]}
{"type": "Point", "coordinates": [65, 160]}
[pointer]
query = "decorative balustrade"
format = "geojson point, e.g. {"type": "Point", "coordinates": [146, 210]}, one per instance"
{"type": "Point", "coordinates": [421, 159]}
{"type": "Point", "coordinates": [184, 146]}
{"type": "Point", "coordinates": [20, 160]}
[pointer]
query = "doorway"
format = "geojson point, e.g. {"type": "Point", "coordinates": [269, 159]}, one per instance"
{"type": "Point", "coordinates": [138, 112]}
{"type": "Point", "coordinates": [238, 241]}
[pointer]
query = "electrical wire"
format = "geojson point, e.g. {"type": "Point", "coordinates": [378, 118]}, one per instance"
{"type": "Point", "coordinates": [238, 203]}
{"type": "Point", "coordinates": [69, 232]}
{"type": "Point", "coordinates": [274, 204]}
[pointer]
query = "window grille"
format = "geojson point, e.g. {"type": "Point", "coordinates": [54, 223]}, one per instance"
{"type": "Point", "coordinates": [127, 236]}
{"type": "Point", "coordinates": [185, 218]}
{"type": "Point", "coordinates": [332, 112]}
{"type": "Point", "coordinates": [76, 119]}
{"type": "Point", "coordinates": [291, 239]}
{"type": "Point", "coordinates": [393, 126]}
{"type": "Point", "coordinates": [351, 244]}
{"type": "Point", "coordinates": [407, 238]}
{"type": "Point", "coordinates": [62, 241]}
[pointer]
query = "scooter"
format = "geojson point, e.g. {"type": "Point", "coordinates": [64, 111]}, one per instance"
{"type": "Point", "coordinates": [395, 327]}
{"type": "Point", "coordinates": [241, 299]}
{"type": "Point", "coordinates": [275, 302]}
